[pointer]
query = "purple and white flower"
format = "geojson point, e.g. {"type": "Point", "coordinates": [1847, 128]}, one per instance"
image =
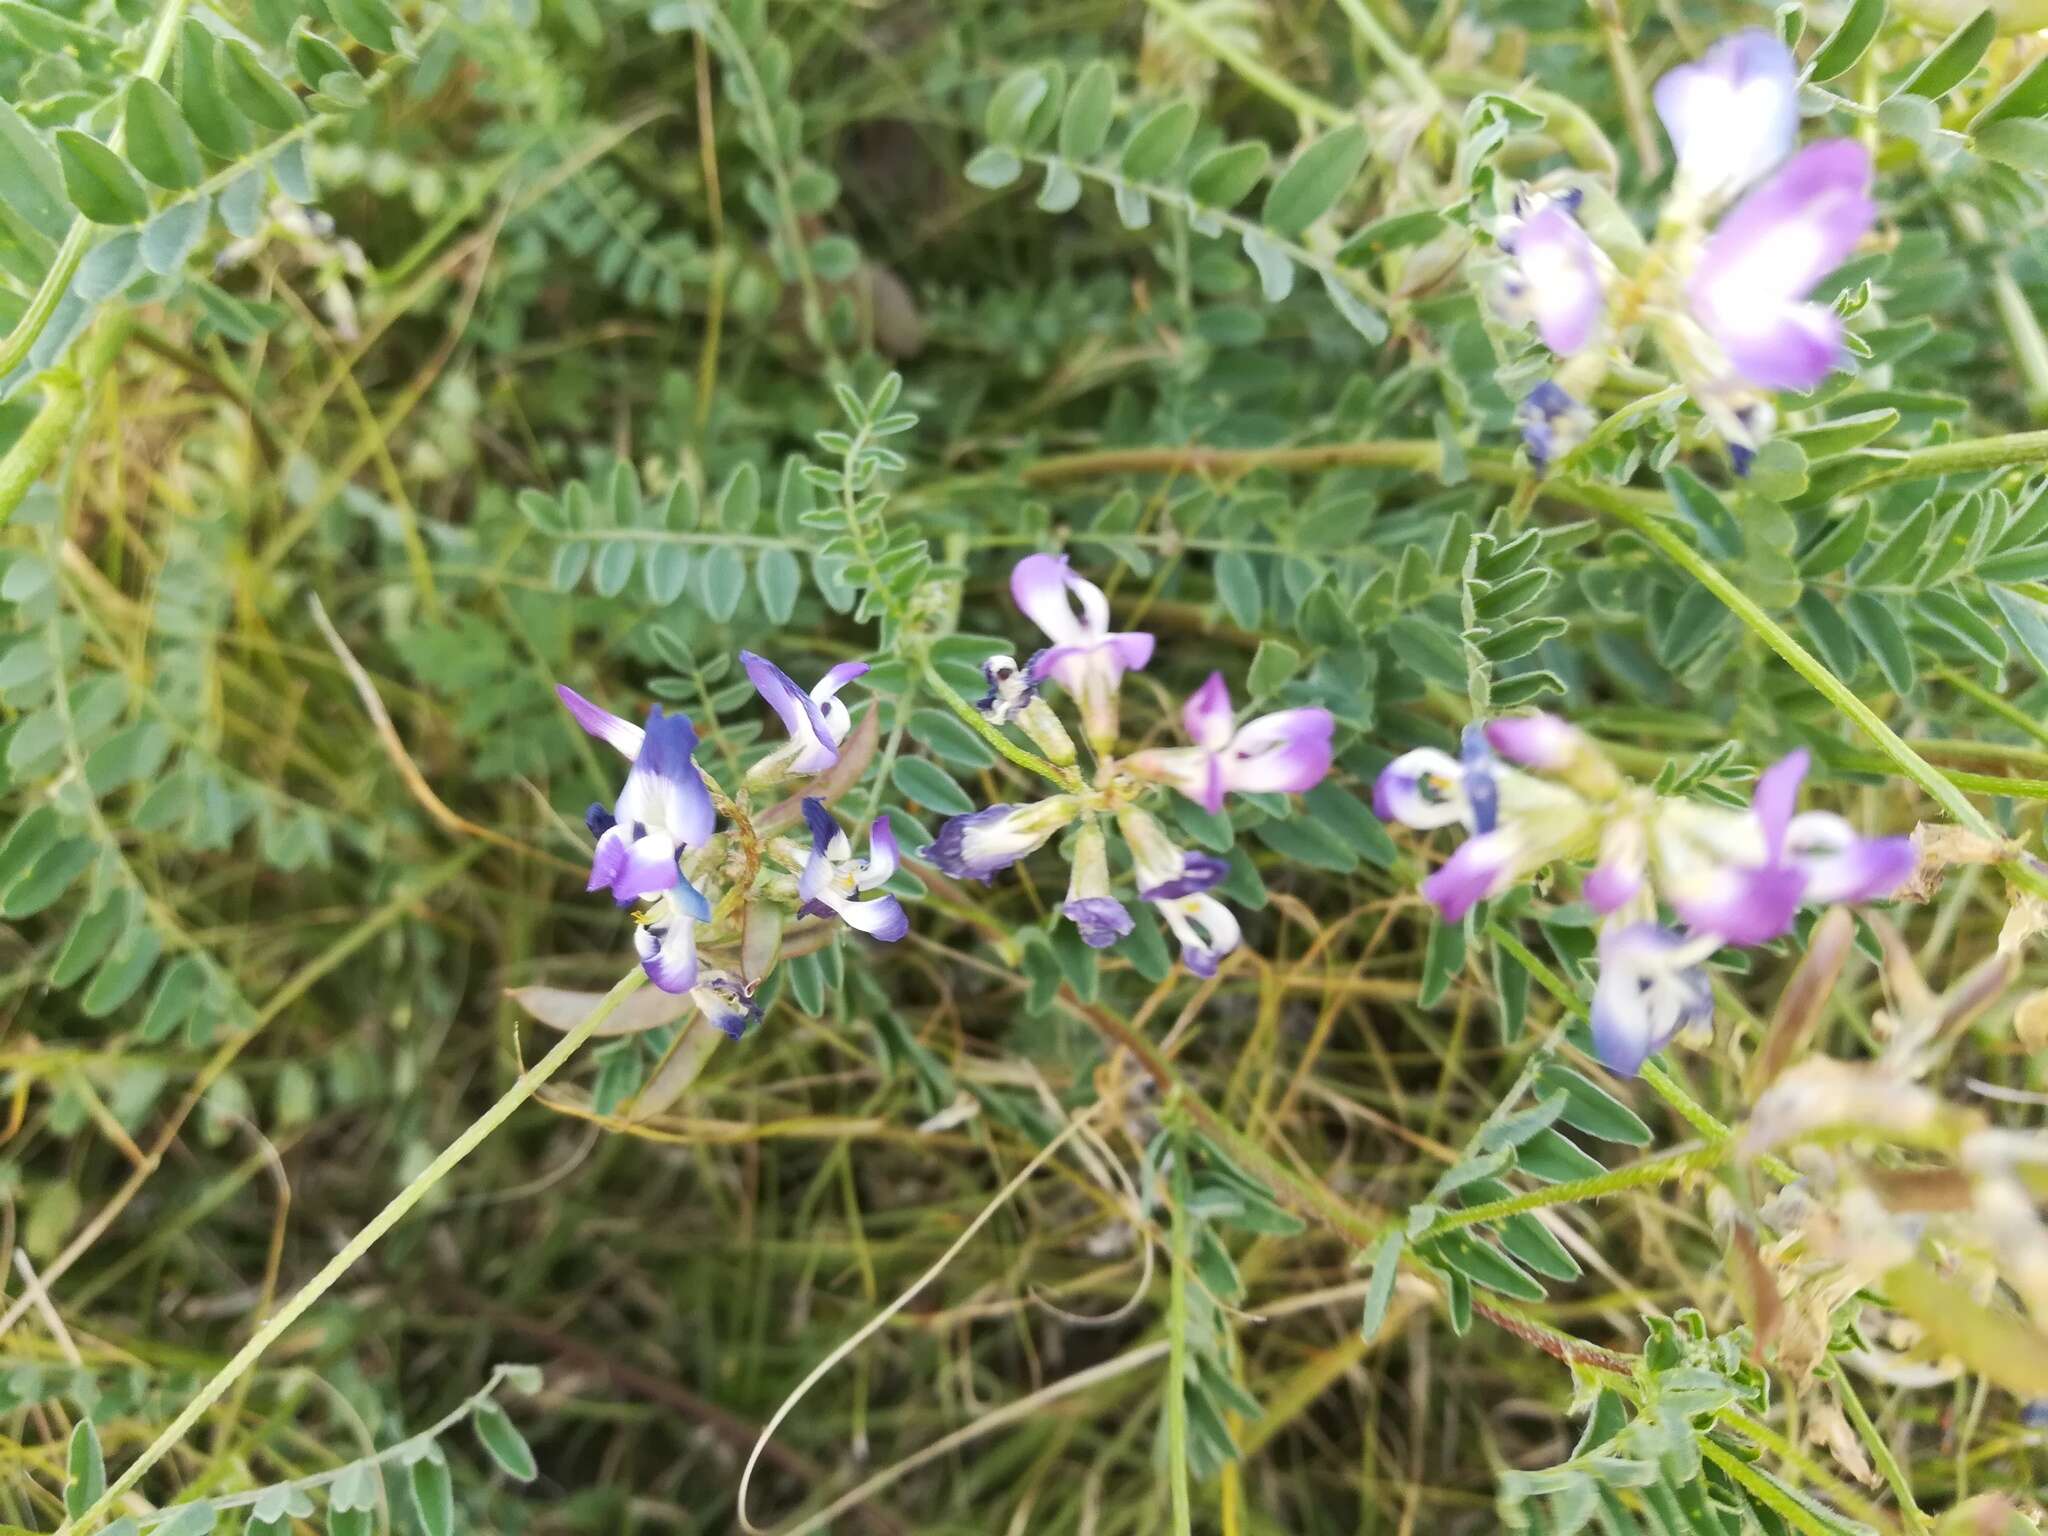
{"type": "Point", "coordinates": [1207, 930]}
{"type": "Point", "coordinates": [723, 1002]}
{"type": "Point", "coordinates": [1086, 657]}
{"type": "Point", "coordinates": [1731, 116]}
{"type": "Point", "coordinates": [1553, 423]}
{"type": "Point", "coordinates": [1286, 752]}
{"type": "Point", "coordinates": [976, 845]}
{"type": "Point", "coordinates": [817, 721]}
{"type": "Point", "coordinates": [833, 880]}
{"type": "Point", "coordinates": [1100, 917]}
{"type": "Point", "coordinates": [1652, 987]}
{"type": "Point", "coordinates": [1749, 288]}
{"type": "Point", "coordinates": [663, 808]}
{"type": "Point", "coordinates": [1010, 688]}
{"type": "Point", "coordinates": [1164, 870]}
{"type": "Point", "coordinates": [666, 937]}
{"type": "Point", "coordinates": [1558, 281]}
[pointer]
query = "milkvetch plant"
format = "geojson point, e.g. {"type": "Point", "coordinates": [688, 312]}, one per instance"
{"type": "Point", "coordinates": [1156, 779]}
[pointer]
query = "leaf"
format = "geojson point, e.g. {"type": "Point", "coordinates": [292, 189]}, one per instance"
{"type": "Point", "coordinates": [171, 236]}
{"type": "Point", "coordinates": [1062, 188]}
{"type": "Point", "coordinates": [1084, 125]}
{"type": "Point", "coordinates": [194, 1519]}
{"type": "Point", "coordinates": [1222, 178]}
{"type": "Point", "coordinates": [507, 1447]}
{"type": "Point", "coordinates": [1839, 545]}
{"type": "Point", "coordinates": [98, 181]}
{"type": "Point", "coordinates": [1902, 549]}
{"type": "Point", "coordinates": [721, 582]}
{"type": "Point", "coordinates": [1948, 612]}
{"type": "Point", "coordinates": [31, 180]}
{"type": "Point", "coordinates": [2025, 97]}
{"type": "Point", "coordinates": [994, 168]}
{"type": "Point", "coordinates": [2020, 142]}
{"type": "Point", "coordinates": [256, 93]}
{"type": "Point", "coordinates": [126, 969]}
{"type": "Point", "coordinates": [1950, 64]}
{"type": "Point", "coordinates": [1274, 664]}
{"type": "Point", "coordinates": [665, 571]}
{"type": "Point", "coordinates": [778, 578]}
{"type": "Point", "coordinates": [1361, 316]}
{"type": "Point", "coordinates": [1310, 187]}
{"type": "Point", "coordinates": [613, 567]}
{"type": "Point", "coordinates": [1590, 1108]}
{"type": "Point", "coordinates": [1379, 1290]}
{"type": "Point", "coordinates": [1848, 42]}
{"type": "Point", "coordinates": [109, 267]}
{"type": "Point", "coordinates": [201, 95]}
{"type": "Point", "coordinates": [1720, 534]}
{"type": "Point", "coordinates": [927, 784]}
{"type": "Point", "coordinates": [85, 1470]}
{"type": "Point", "coordinates": [2028, 621]}
{"type": "Point", "coordinates": [294, 177]}
{"type": "Point", "coordinates": [1483, 1264]}
{"type": "Point", "coordinates": [1010, 107]}
{"type": "Point", "coordinates": [369, 22]}
{"type": "Point", "coordinates": [433, 1496]}
{"type": "Point", "coordinates": [315, 58]}
{"type": "Point", "coordinates": [739, 501]}
{"type": "Point", "coordinates": [1237, 585]}
{"type": "Point", "coordinates": [241, 203]}
{"type": "Point", "coordinates": [1881, 636]}
{"type": "Point", "coordinates": [158, 143]}
{"type": "Point", "coordinates": [1157, 143]}
{"type": "Point", "coordinates": [1275, 266]}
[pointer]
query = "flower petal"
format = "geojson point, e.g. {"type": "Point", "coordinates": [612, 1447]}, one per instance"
{"type": "Point", "coordinates": [1207, 716]}
{"type": "Point", "coordinates": [801, 716]}
{"type": "Point", "coordinates": [1651, 986]}
{"type": "Point", "coordinates": [1287, 752]}
{"type": "Point", "coordinates": [837, 678]}
{"type": "Point", "coordinates": [1775, 796]}
{"type": "Point", "coordinates": [884, 856]}
{"type": "Point", "coordinates": [1840, 866]}
{"type": "Point", "coordinates": [1102, 920]}
{"type": "Point", "coordinates": [1560, 270]}
{"type": "Point", "coordinates": [1733, 115]}
{"type": "Point", "coordinates": [1540, 741]}
{"type": "Point", "coordinates": [1423, 789]}
{"type": "Point", "coordinates": [668, 950]}
{"type": "Point", "coordinates": [1742, 904]}
{"type": "Point", "coordinates": [1768, 254]}
{"type": "Point", "coordinates": [975, 846]}
{"type": "Point", "coordinates": [622, 736]}
{"type": "Point", "coordinates": [1039, 584]}
{"type": "Point", "coordinates": [1195, 771]}
{"type": "Point", "coordinates": [1483, 866]}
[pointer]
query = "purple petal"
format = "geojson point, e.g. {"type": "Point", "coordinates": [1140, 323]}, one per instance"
{"type": "Point", "coordinates": [664, 790]}
{"type": "Point", "coordinates": [799, 712]}
{"type": "Point", "coordinates": [1561, 273]}
{"type": "Point", "coordinates": [613, 846]}
{"type": "Point", "coordinates": [622, 736]}
{"type": "Point", "coordinates": [1733, 115]}
{"type": "Point", "coordinates": [1132, 649]}
{"type": "Point", "coordinates": [1198, 872]}
{"type": "Point", "coordinates": [1840, 866]}
{"type": "Point", "coordinates": [1611, 886]}
{"type": "Point", "coordinates": [1101, 920]}
{"type": "Point", "coordinates": [1553, 423]}
{"type": "Point", "coordinates": [1039, 586]}
{"type": "Point", "coordinates": [1194, 771]}
{"type": "Point", "coordinates": [820, 821]}
{"type": "Point", "coordinates": [1743, 905]}
{"type": "Point", "coordinates": [1540, 741]}
{"type": "Point", "coordinates": [1764, 259]}
{"type": "Point", "coordinates": [1775, 796]}
{"type": "Point", "coordinates": [1480, 868]}
{"type": "Point", "coordinates": [837, 678]}
{"type": "Point", "coordinates": [725, 1007]}
{"type": "Point", "coordinates": [1207, 716]}
{"type": "Point", "coordinates": [884, 856]}
{"type": "Point", "coordinates": [1649, 990]}
{"type": "Point", "coordinates": [690, 901]}
{"type": "Point", "coordinates": [975, 846]}
{"type": "Point", "coordinates": [1282, 753]}
{"type": "Point", "coordinates": [668, 952]}
{"type": "Point", "coordinates": [879, 917]}
{"type": "Point", "coordinates": [648, 868]}
{"type": "Point", "coordinates": [1421, 789]}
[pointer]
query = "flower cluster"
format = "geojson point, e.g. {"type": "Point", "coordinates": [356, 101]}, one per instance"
{"type": "Point", "coordinates": [1284, 752]}
{"type": "Point", "coordinates": [1729, 308]}
{"type": "Point", "coordinates": [1534, 790]}
{"type": "Point", "coordinates": [660, 849]}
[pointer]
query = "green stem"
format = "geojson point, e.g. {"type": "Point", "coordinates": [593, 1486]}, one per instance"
{"type": "Point", "coordinates": [1066, 778]}
{"type": "Point", "coordinates": [1880, 1452]}
{"type": "Point", "coordinates": [462, 1410]}
{"type": "Point", "coordinates": [1766, 1492]}
{"type": "Point", "coordinates": [1937, 785]}
{"type": "Point", "coordinates": [64, 265]}
{"type": "Point", "coordinates": [1377, 37]}
{"type": "Point", "coordinates": [1177, 1352]}
{"type": "Point", "coordinates": [1653, 1170]}
{"type": "Point", "coordinates": [1247, 68]}
{"type": "Point", "coordinates": [280, 1321]}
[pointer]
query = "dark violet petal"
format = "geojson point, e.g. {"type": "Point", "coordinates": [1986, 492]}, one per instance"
{"type": "Point", "coordinates": [1102, 920]}
{"type": "Point", "coordinates": [819, 820]}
